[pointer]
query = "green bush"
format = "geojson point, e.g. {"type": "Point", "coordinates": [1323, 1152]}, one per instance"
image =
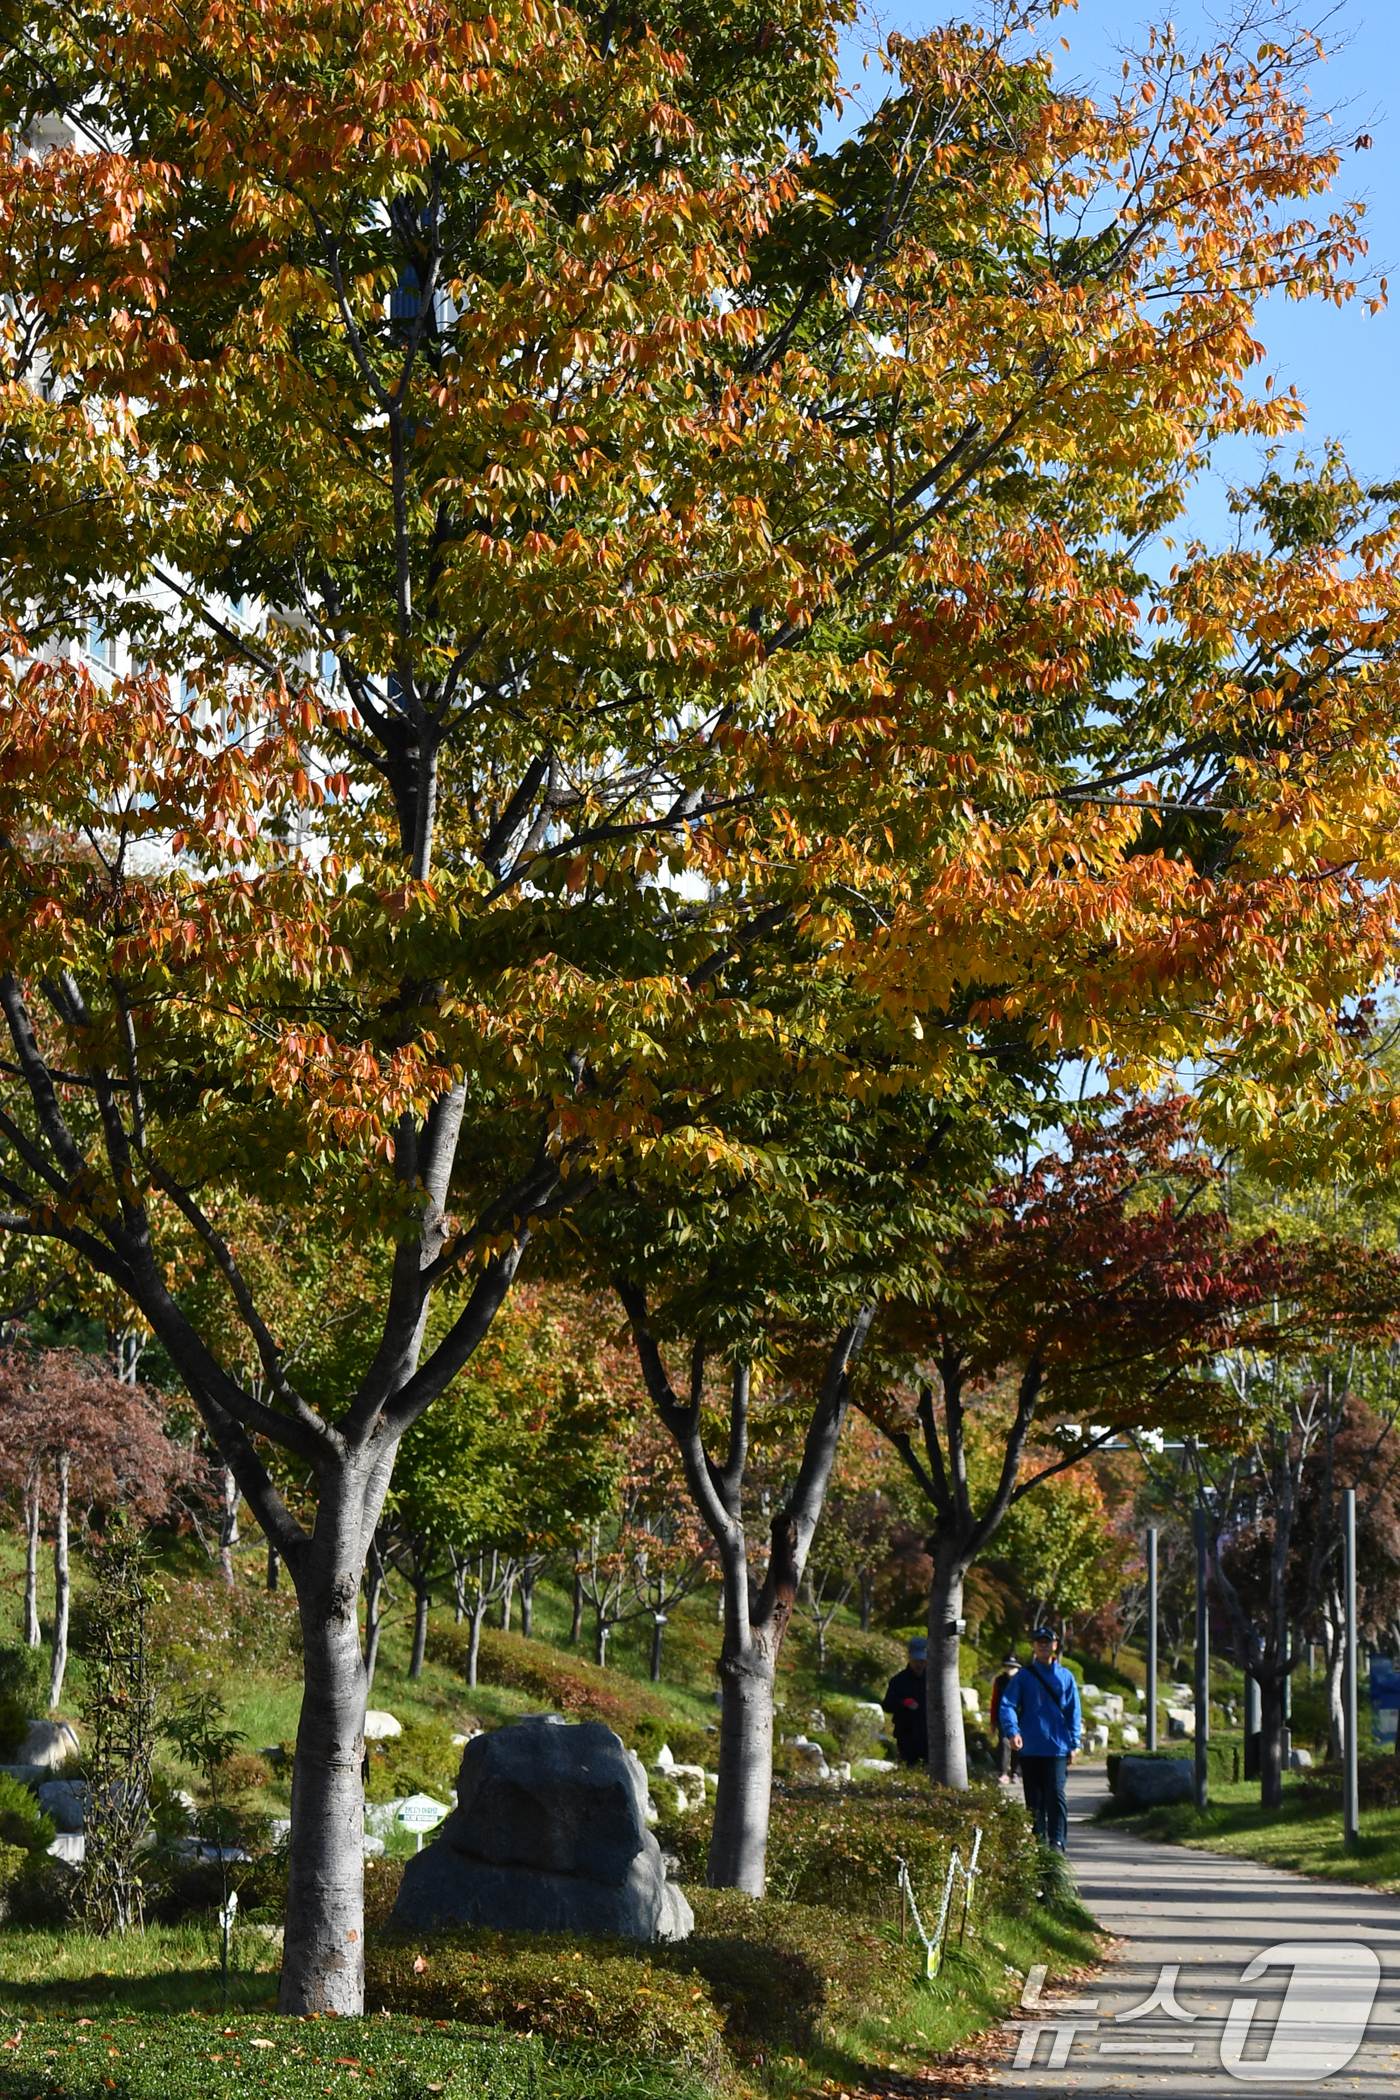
{"type": "Point", "coordinates": [753, 1978]}
{"type": "Point", "coordinates": [1224, 1760]}
{"type": "Point", "coordinates": [778, 1975]}
{"type": "Point", "coordinates": [858, 1664]}
{"type": "Point", "coordinates": [565, 1684]}
{"type": "Point", "coordinates": [34, 1888]}
{"type": "Point", "coordinates": [599, 1991]}
{"type": "Point", "coordinates": [22, 1821]}
{"type": "Point", "coordinates": [23, 1692]}
{"type": "Point", "coordinates": [423, 1760]}
{"type": "Point", "coordinates": [264, 2059]}
{"type": "Point", "coordinates": [838, 1850]}
{"type": "Point", "coordinates": [692, 1746]}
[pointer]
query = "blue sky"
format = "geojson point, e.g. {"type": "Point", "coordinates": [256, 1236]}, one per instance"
{"type": "Point", "coordinates": [1343, 363]}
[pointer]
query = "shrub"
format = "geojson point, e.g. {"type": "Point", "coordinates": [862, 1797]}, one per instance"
{"type": "Point", "coordinates": [691, 1746]}
{"type": "Point", "coordinates": [423, 1760]}
{"type": "Point", "coordinates": [600, 1991]}
{"type": "Point", "coordinates": [23, 1692]}
{"type": "Point", "coordinates": [264, 2059]}
{"type": "Point", "coordinates": [22, 1821]}
{"type": "Point", "coordinates": [565, 1684]}
{"type": "Point", "coordinates": [778, 1975]}
{"type": "Point", "coordinates": [1224, 1761]}
{"type": "Point", "coordinates": [858, 1664]}
{"type": "Point", "coordinates": [35, 1889]}
{"type": "Point", "coordinates": [838, 1850]}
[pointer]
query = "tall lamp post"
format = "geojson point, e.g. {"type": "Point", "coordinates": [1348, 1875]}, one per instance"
{"type": "Point", "coordinates": [1351, 1806]}
{"type": "Point", "coordinates": [1202, 1663]}
{"type": "Point", "coordinates": [1151, 1639]}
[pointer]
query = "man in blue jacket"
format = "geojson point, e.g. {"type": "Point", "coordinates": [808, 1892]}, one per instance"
{"type": "Point", "coordinates": [1039, 1712]}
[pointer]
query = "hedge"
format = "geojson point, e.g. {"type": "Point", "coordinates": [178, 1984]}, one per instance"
{"type": "Point", "coordinates": [778, 1975]}
{"type": "Point", "coordinates": [1224, 1761]}
{"type": "Point", "coordinates": [566, 1684]}
{"type": "Point", "coordinates": [753, 1977]}
{"type": "Point", "coordinates": [601, 1991]}
{"type": "Point", "coordinates": [262, 2059]}
{"type": "Point", "coordinates": [838, 1850]}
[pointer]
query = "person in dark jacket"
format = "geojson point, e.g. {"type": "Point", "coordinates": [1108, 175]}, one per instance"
{"type": "Point", "coordinates": [1008, 1760]}
{"type": "Point", "coordinates": [1040, 1713]}
{"type": "Point", "coordinates": [906, 1701]}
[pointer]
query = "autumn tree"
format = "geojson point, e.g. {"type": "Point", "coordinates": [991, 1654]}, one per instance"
{"type": "Point", "coordinates": [1067, 1559]}
{"type": "Point", "coordinates": [77, 1441]}
{"type": "Point", "coordinates": [1094, 1289]}
{"type": "Point", "coordinates": [638, 583]}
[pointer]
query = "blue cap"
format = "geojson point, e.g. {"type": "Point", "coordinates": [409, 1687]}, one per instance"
{"type": "Point", "coordinates": [918, 1648]}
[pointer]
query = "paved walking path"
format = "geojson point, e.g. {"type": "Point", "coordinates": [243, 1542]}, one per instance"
{"type": "Point", "coordinates": [1209, 1918]}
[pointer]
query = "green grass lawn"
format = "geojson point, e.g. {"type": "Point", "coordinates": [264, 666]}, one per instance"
{"type": "Point", "coordinates": [1305, 1835]}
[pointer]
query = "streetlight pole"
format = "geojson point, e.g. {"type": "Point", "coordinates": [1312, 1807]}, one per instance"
{"type": "Point", "coordinates": [1152, 1639]}
{"type": "Point", "coordinates": [1202, 1664]}
{"type": "Point", "coordinates": [1351, 1807]}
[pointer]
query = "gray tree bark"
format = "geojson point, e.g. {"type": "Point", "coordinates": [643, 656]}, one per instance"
{"type": "Point", "coordinates": [228, 1525]}
{"type": "Point", "coordinates": [323, 1965]}
{"type": "Point", "coordinates": [33, 1635]}
{"type": "Point", "coordinates": [374, 1616]}
{"type": "Point", "coordinates": [421, 1601]}
{"type": "Point", "coordinates": [947, 1739]}
{"type": "Point", "coordinates": [59, 1666]}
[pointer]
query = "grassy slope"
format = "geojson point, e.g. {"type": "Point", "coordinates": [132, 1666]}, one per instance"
{"type": "Point", "coordinates": [1305, 1835]}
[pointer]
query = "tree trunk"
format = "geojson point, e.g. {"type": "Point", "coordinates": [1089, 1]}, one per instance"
{"type": "Point", "coordinates": [527, 1603]}
{"type": "Point", "coordinates": [947, 1745]}
{"type": "Point", "coordinates": [474, 1642]}
{"type": "Point", "coordinates": [739, 1841]}
{"type": "Point", "coordinates": [323, 1965]}
{"type": "Point", "coordinates": [1270, 1740]}
{"type": "Point", "coordinates": [576, 1630]}
{"type": "Point", "coordinates": [508, 1601]}
{"type": "Point", "coordinates": [421, 1602]}
{"type": "Point", "coordinates": [658, 1635]}
{"type": "Point", "coordinates": [228, 1526]}
{"type": "Point", "coordinates": [601, 1631]}
{"type": "Point", "coordinates": [32, 1633]}
{"type": "Point", "coordinates": [867, 1598]}
{"type": "Point", "coordinates": [273, 1563]}
{"type": "Point", "coordinates": [60, 1584]}
{"type": "Point", "coordinates": [374, 1590]}
{"type": "Point", "coordinates": [1334, 1645]}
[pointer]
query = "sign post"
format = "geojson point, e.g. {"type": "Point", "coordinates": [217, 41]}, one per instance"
{"type": "Point", "coordinates": [419, 1813]}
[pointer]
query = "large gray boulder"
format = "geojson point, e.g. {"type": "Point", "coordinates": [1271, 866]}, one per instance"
{"type": "Point", "coordinates": [49, 1743]}
{"type": "Point", "coordinates": [549, 1835]}
{"type": "Point", "coordinates": [65, 1800]}
{"type": "Point", "coordinates": [1153, 1782]}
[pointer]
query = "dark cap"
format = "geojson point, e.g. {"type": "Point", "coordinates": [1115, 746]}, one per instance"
{"type": "Point", "coordinates": [1044, 1633]}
